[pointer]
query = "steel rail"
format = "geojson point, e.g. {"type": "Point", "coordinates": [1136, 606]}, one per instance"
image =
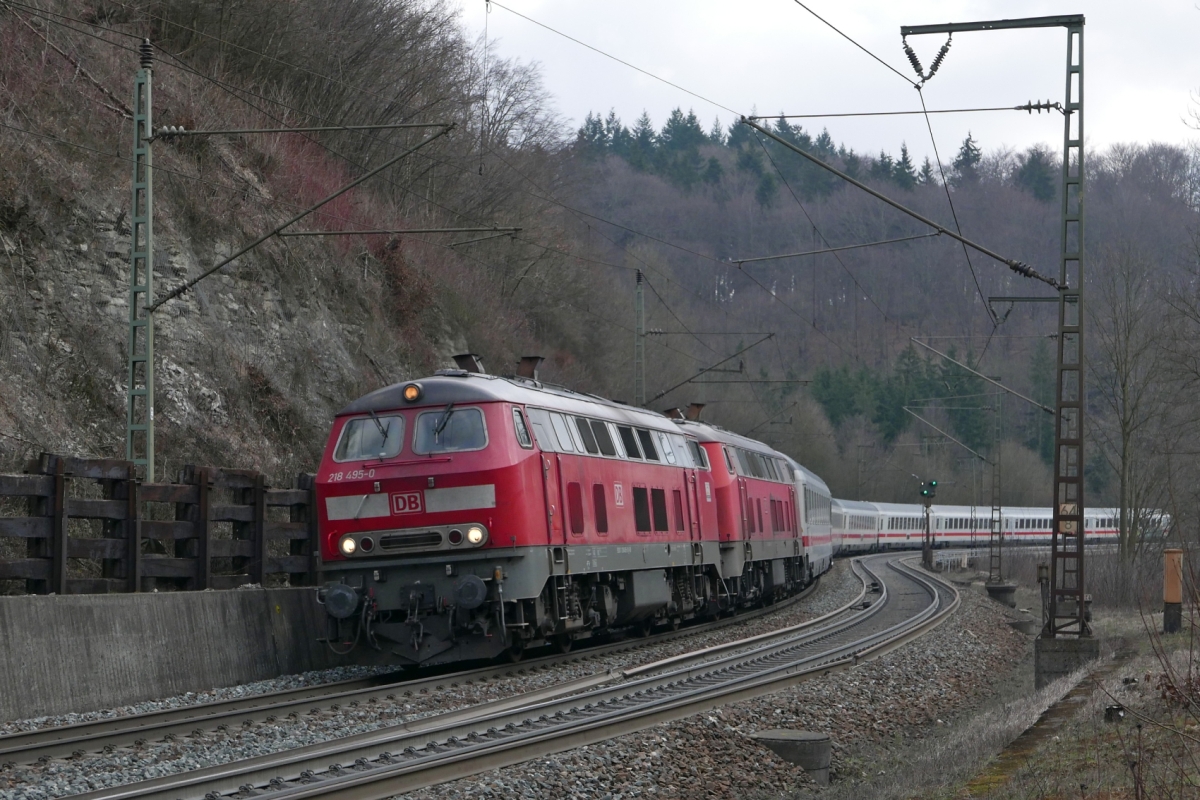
{"type": "Point", "coordinates": [375, 744]}
{"type": "Point", "coordinates": [369, 781]}
{"type": "Point", "coordinates": [764, 667]}
{"type": "Point", "coordinates": [73, 740]}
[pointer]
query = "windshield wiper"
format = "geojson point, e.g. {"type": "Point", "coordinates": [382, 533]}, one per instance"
{"type": "Point", "coordinates": [383, 433]}
{"type": "Point", "coordinates": [441, 426]}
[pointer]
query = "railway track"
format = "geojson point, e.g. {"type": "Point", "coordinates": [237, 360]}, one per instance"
{"type": "Point", "coordinates": [108, 734]}
{"type": "Point", "coordinates": [900, 605]}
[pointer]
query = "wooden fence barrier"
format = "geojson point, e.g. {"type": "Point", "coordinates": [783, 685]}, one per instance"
{"type": "Point", "coordinates": [91, 526]}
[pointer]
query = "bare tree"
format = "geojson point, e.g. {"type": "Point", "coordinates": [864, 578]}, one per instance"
{"type": "Point", "coordinates": [1129, 380]}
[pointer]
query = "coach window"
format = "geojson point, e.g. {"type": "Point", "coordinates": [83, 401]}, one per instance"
{"type": "Point", "coordinates": [647, 445]}
{"type": "Point", "coordinates": [630, 441]}
{"type": "Point", "coordinates": [370, 437]}
{"type": "Point", "coordinates": [665, 447]}
{"type": "Point", "coordinates": [522, 432]}
{"type": "Point", "coordinates": [658, 500]}
{"type": "Point", "coordinates": [563, 434]}
{"type": "Point", "coordinates": [600, 508]}
{"type": "Point", "coordinates": [585, 433]}
{"type": "Point", "coordinates": [450, 430]}
{"type": "Point", "coordinates": [575, 506]}
{"type": "Point", "coordinates": [641, 509]}
{"type": "Point", "coordinates": [603, 440]}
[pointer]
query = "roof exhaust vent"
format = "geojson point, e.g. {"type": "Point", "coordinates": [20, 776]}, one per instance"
{"type": "Point", "coordinates": [471, 362]}
{"type": "Point", "coordinates": [673, 413]}
{"type": "Point", "coordinates": [528, 366]}
{"type": "Point", "coordinates": [693, 411]}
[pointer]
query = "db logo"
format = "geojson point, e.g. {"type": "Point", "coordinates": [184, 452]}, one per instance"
{"type": "Point", "coordinates": [406, 503]}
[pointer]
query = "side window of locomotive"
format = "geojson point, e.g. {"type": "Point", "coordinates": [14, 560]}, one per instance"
{"type": "Point", "coordinates": [647, 444]}
{"type": "Point", "coordinates": [698, 454]}
{"type": "Point", "coordinates": [774, 473]}
{"type": "Point", "coordinates": [728, 461]}
{"type": "Point", "coordinates": [452, 430]}
{"type": "Point", "coordinates": [563, 434]}
{"type": "Point", "coordinates": [575, 507]}
{"type": "Point", "coordinates": [615, 438]}
{"type": "Point", "coordinates": [629, 439]}
{"type": "Point", "coordinates": [641, 509]}
{"type": "Point", "coordinates": [742, 462]}
{"type": "Point", "coordinates": [603, 440]}
{"type": "Point", "coordinates": [522, 432]}
{"type": "Point", "coordinates": [370, 437]}
{"type": "Point", "coordinates": [658, 499]}
{"type": "Point", "coordinates": [539, 421]}
{"type": "Point", "coordinates": [585, 433]}
{"type": "Point", "coordinates": [682, 455]}
{"type": "Point", "coordinates": [600, 507]}
{"type": "Point", "coordinates": [665, 446]}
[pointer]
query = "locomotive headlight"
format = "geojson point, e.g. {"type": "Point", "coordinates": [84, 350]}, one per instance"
{"type": "Point", "coordinates": [475, 534]}
{"type": "Point", "coordinates": [412, 392]}
{"type": "Point", "coordinates": [348, 546]}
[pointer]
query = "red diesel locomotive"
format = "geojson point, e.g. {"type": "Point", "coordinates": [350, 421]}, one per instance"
{"type": "Point", "coordinates": [466, 515]}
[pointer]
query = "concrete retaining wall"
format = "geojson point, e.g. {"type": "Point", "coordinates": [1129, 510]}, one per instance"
{"type": "Point", "coordinates": [60, 654]}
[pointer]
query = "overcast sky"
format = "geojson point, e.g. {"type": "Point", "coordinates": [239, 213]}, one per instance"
{"type": "Point", "coordinates": [1142, 64]}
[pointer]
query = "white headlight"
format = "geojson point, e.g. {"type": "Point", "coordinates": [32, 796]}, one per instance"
{"type": "Point", "coordinates": [348, 546]}
{"type": "Point", "coordinates": [474, 535]}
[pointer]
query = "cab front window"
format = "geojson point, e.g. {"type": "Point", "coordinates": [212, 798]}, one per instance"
{"type": "Point", "coordinates": [450, 430]}
{"type": "Point", "coordinates": [369, 438]}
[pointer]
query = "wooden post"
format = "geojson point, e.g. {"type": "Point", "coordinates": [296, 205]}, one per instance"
{"type": "Point", "coordinates": [203, 531]}
{"type": "Point", "coordinates": [308, 482]}
{"type": "Point", "coordinates": [258, 535]}
{"type": "Point", "coordinates": [1172, 591]}
{"type": "Point", "coordinates": [133, 533]}
{"type": "Point", "coordinates": [53, 465]}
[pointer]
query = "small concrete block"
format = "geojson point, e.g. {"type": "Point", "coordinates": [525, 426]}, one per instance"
{"type": "Point", "coordinates": [1005, 593]}
{"type": "Point", "coordinates": [1057, 658]}
{"type": "Point", "coordinates": [809, 750]}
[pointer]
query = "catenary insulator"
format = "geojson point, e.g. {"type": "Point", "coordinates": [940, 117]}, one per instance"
{"type": "Point", "coordinates": [937, 61]}
{"type": "Point", "coordinates": [912, 59]}
{"type": "Point", "coordinates": [147, 54]}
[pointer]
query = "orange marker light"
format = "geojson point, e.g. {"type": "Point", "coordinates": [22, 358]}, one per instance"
{"type": "Point", "coordinates": [412, 393]}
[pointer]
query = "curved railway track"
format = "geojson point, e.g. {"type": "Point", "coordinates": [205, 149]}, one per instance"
{"type": "Point", "coordinates": [66, 741]}
{"type": "Point", "coordinates": [900, 605]}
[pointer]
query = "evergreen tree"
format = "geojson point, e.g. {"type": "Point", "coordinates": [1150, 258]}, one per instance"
{"type": "Point", "coordinates": [968, 416]}
{"type": "Point", "coordinates": [903, 174]}
{"type": "Point", "coordinates": [714, 171]}
{"type": "Point", "coordinates": [852, 164]}
{"type": "Point", "coordinates": [1041, 380]}
{"type": "Point", "coordinates": [883, 167]}
{"type": "Point", "coordinates": [642, 143]}
{"type": "Point", "coordinates": [591, 135]}
{"type": "Point", "coordinates": [837, 391]}
{"type": "Point", "coordinates": [926, 176]}
{"type": "Point", "coordinates": [1036, 174]}
{"type": "Point", "coordinates": [823, 145]}
{"type": "Point", "coordinates": [966, 163]}
{"type": "Point", "coordinates": [716, 134]}
{"type": "Point", "coordinates": [681, 132]}
{"type": "Point", "coordinates": [618, 135]}
{"type": "Point", "coordinates": [767, 189]}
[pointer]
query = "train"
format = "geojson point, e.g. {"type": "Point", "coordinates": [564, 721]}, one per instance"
{"type": "Point", "coordinates": [468, 516]}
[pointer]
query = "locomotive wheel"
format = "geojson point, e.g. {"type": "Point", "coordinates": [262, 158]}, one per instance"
{"type": "Point", "coordinates": [644, 628]}
{"type": "Point", "coordinates": [676, 622]}
{"type": "Point", "coordinates": [563, 642]}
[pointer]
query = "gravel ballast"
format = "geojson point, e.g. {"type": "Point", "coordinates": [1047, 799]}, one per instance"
{"type": "Point", "coordinates": [897, 698]}
{"type": "Point", "coordinates": [153, 759]}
